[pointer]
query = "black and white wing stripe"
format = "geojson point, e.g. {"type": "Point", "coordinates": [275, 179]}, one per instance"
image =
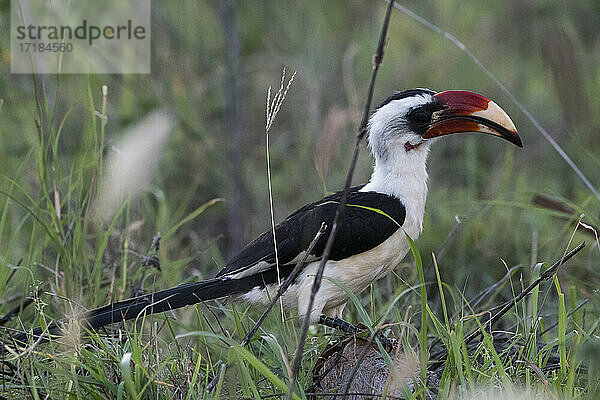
{"type": "Point", "coordinates": [368, 220]}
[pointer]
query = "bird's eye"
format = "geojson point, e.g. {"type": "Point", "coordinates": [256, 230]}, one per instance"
{"type": "Point", "coordinates": [419, 116]}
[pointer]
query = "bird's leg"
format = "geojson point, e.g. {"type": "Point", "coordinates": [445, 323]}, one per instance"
{"type": "Point", "coordinates": [339, 324]}
{"type": "Point", "coordinates": [348, 328]}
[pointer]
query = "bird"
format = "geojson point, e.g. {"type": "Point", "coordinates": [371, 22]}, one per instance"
{"type": "Point", "coordinates": [372, 232]}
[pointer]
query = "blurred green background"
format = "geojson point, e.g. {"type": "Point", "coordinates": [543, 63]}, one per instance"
{"type": "Point", "coordinates": [212, 63]}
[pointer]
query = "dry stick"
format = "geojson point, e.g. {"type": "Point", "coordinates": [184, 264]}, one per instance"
{"type": "Point", "coordinates": [362, 130]}
{"type": "Point", "coordinates": [547, 274]}
{"type": "Point", "coordinates": [285, 285]}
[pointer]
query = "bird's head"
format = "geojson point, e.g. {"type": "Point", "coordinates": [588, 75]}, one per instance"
{"type": "Point", "coordinates": [405, 122]}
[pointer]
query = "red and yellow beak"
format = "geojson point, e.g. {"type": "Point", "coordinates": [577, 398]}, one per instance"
{"type": "Point", "coordinates": [470, 112]}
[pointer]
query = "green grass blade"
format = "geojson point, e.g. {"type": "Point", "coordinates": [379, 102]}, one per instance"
{"type": "Point", "coordinates": [423, 352]}
{"type": "Point", "coordinates": [562, 330]}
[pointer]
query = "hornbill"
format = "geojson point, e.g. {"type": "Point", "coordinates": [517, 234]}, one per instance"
{"type": "Point", "coordinates": [371, 236]}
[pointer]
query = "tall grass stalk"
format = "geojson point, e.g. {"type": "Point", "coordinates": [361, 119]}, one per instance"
{"type": "Point", "coordinates": [272, 109]}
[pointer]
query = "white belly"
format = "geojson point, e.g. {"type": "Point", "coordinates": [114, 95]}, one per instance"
{"type": "Point", "coordinates": [356, 273]}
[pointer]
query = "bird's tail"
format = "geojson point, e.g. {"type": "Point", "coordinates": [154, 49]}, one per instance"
{"type": "Point", "coordinates": [164, 300]}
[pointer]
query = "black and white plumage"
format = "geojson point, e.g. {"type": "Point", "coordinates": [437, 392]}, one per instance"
{"type": "Point", "coordinates": [371, 237]}
{"type": "Point", "coordinates": [370, 219]}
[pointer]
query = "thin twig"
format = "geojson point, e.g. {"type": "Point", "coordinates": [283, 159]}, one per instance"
{"type": "Point", "coordinates": [340, 209]}
{"type": "Point", "coordinates": [29, 349]}
{"type": "Point", "coordinates": [286, 284]}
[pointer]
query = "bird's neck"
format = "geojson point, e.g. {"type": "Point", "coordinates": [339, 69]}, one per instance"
{"type": "Point", "coordinates": [404, 177]}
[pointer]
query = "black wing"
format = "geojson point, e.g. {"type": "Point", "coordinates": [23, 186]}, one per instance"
{"type": "Point", "coordinates": [368, 220]}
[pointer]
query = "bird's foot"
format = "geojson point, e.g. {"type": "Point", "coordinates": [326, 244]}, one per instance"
{"type": "Point", "coordinates": [348, 328]}
{"type": "Point", "coordinates": [339, 324]}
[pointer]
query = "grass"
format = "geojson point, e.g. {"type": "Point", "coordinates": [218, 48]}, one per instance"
{"type": "Point", "coordinates": [88, 261]}
{"type": "Point", "coordinates": [165, 357]}
{"type": "Point", "coordinates": [56, 250]}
